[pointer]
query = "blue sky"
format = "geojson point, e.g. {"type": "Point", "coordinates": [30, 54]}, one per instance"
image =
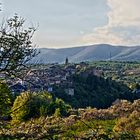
{"type": "Point", "coordinates": [69, 23]}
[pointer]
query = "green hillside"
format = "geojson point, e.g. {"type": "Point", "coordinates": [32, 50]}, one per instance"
{"type": "Point", "coordinates": [93, 91]}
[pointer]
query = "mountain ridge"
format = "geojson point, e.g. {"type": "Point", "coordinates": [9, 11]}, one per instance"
{"type": "Point", "coordinates": [88, 53]}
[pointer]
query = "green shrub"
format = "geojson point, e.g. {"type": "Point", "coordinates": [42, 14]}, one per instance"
{"type": "Point", "coordinates": [61, 105]}
{"type": "Point", "coordinates": [57, 113]}
{"type": "Point", "coordinates": [30, 105]}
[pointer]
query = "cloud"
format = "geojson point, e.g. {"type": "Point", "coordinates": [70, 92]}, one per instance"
{"type": "Point", "coordinates": [123, 26]}
{"type": "Point", "coordinates": [124, 12]}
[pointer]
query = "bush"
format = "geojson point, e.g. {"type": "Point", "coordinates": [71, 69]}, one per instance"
{"type": "Point", "coordinates": [61, 105]}
{"type": "Point", "coordinates": [129, 125]}
{"type": "Point", "coordinates": [30, 105]}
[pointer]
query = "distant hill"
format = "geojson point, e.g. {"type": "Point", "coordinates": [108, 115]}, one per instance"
{"type": "Point", "coordinates": [88, 53]}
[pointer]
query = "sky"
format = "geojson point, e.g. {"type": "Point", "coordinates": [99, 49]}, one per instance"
{"type": "Point", "coordinates": [70, 23]}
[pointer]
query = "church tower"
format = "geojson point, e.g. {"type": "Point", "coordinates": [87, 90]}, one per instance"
{"type": "Point", "coordinates": [66, 61]}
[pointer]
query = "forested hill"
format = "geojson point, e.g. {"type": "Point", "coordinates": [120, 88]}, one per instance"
{"type": "Point", "coordinates": [94, 91]}
{"type": "Point", "coordinates": [88, 53]}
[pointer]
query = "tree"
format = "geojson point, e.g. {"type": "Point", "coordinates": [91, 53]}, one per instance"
{"type": "Point", "coordinates": [5, 100]}
{"type": "Point", "coordinates": [16, 47]}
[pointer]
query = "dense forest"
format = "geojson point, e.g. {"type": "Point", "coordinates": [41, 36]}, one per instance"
{"type": "Point", "coordinates": [94, 91]}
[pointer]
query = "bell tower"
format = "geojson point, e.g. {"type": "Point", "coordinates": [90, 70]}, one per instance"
{"type": "Point", "coordinates": [66, 61]}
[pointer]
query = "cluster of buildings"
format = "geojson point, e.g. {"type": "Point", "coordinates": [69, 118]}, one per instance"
{"type": "Point", "coordinates": [46, 79]}
{"type": "Point", "coordinates": [52, 75]}
{"type": "Point", "coordinates": [40, 79]}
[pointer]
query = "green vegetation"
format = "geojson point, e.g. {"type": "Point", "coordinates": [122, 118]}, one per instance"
{"type": "Point", "coordinates": [33, 105]}
{"type": "Point", "coordinates": [29, 105]}
{"type": "Point", "coordinates": [125, 72]}
{"type": "Point", "coordinates": [42, 115]}
{"type": "Point", "coordinates": [120, 121]}
{"type": "Point", "coordinates": [99, 92]}
{"type": "Point", "coordinates": [16, 47]}
{"type": "Point", "coordinates": [5, 100]}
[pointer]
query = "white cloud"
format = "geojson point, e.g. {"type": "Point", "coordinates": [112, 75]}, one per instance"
{"type": "Point", "coordinates": [124, 12]}
{"type": "Point", "coordinates": [123, 26]}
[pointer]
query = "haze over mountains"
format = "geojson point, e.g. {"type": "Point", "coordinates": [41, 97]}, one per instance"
{"type": "Point", "coordinates": [88, 53]}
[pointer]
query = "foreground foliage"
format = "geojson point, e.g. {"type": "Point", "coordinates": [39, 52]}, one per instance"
{"type": "Point", "coordinates": [16, 47]}
{"type": "Point", "coordinates": [119, 122]}
{"type": "Point", "coordinates": [33, 105]}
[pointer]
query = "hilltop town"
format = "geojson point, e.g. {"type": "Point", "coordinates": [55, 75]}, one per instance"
{"type": "Point", "coordinates": [40, 78]}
